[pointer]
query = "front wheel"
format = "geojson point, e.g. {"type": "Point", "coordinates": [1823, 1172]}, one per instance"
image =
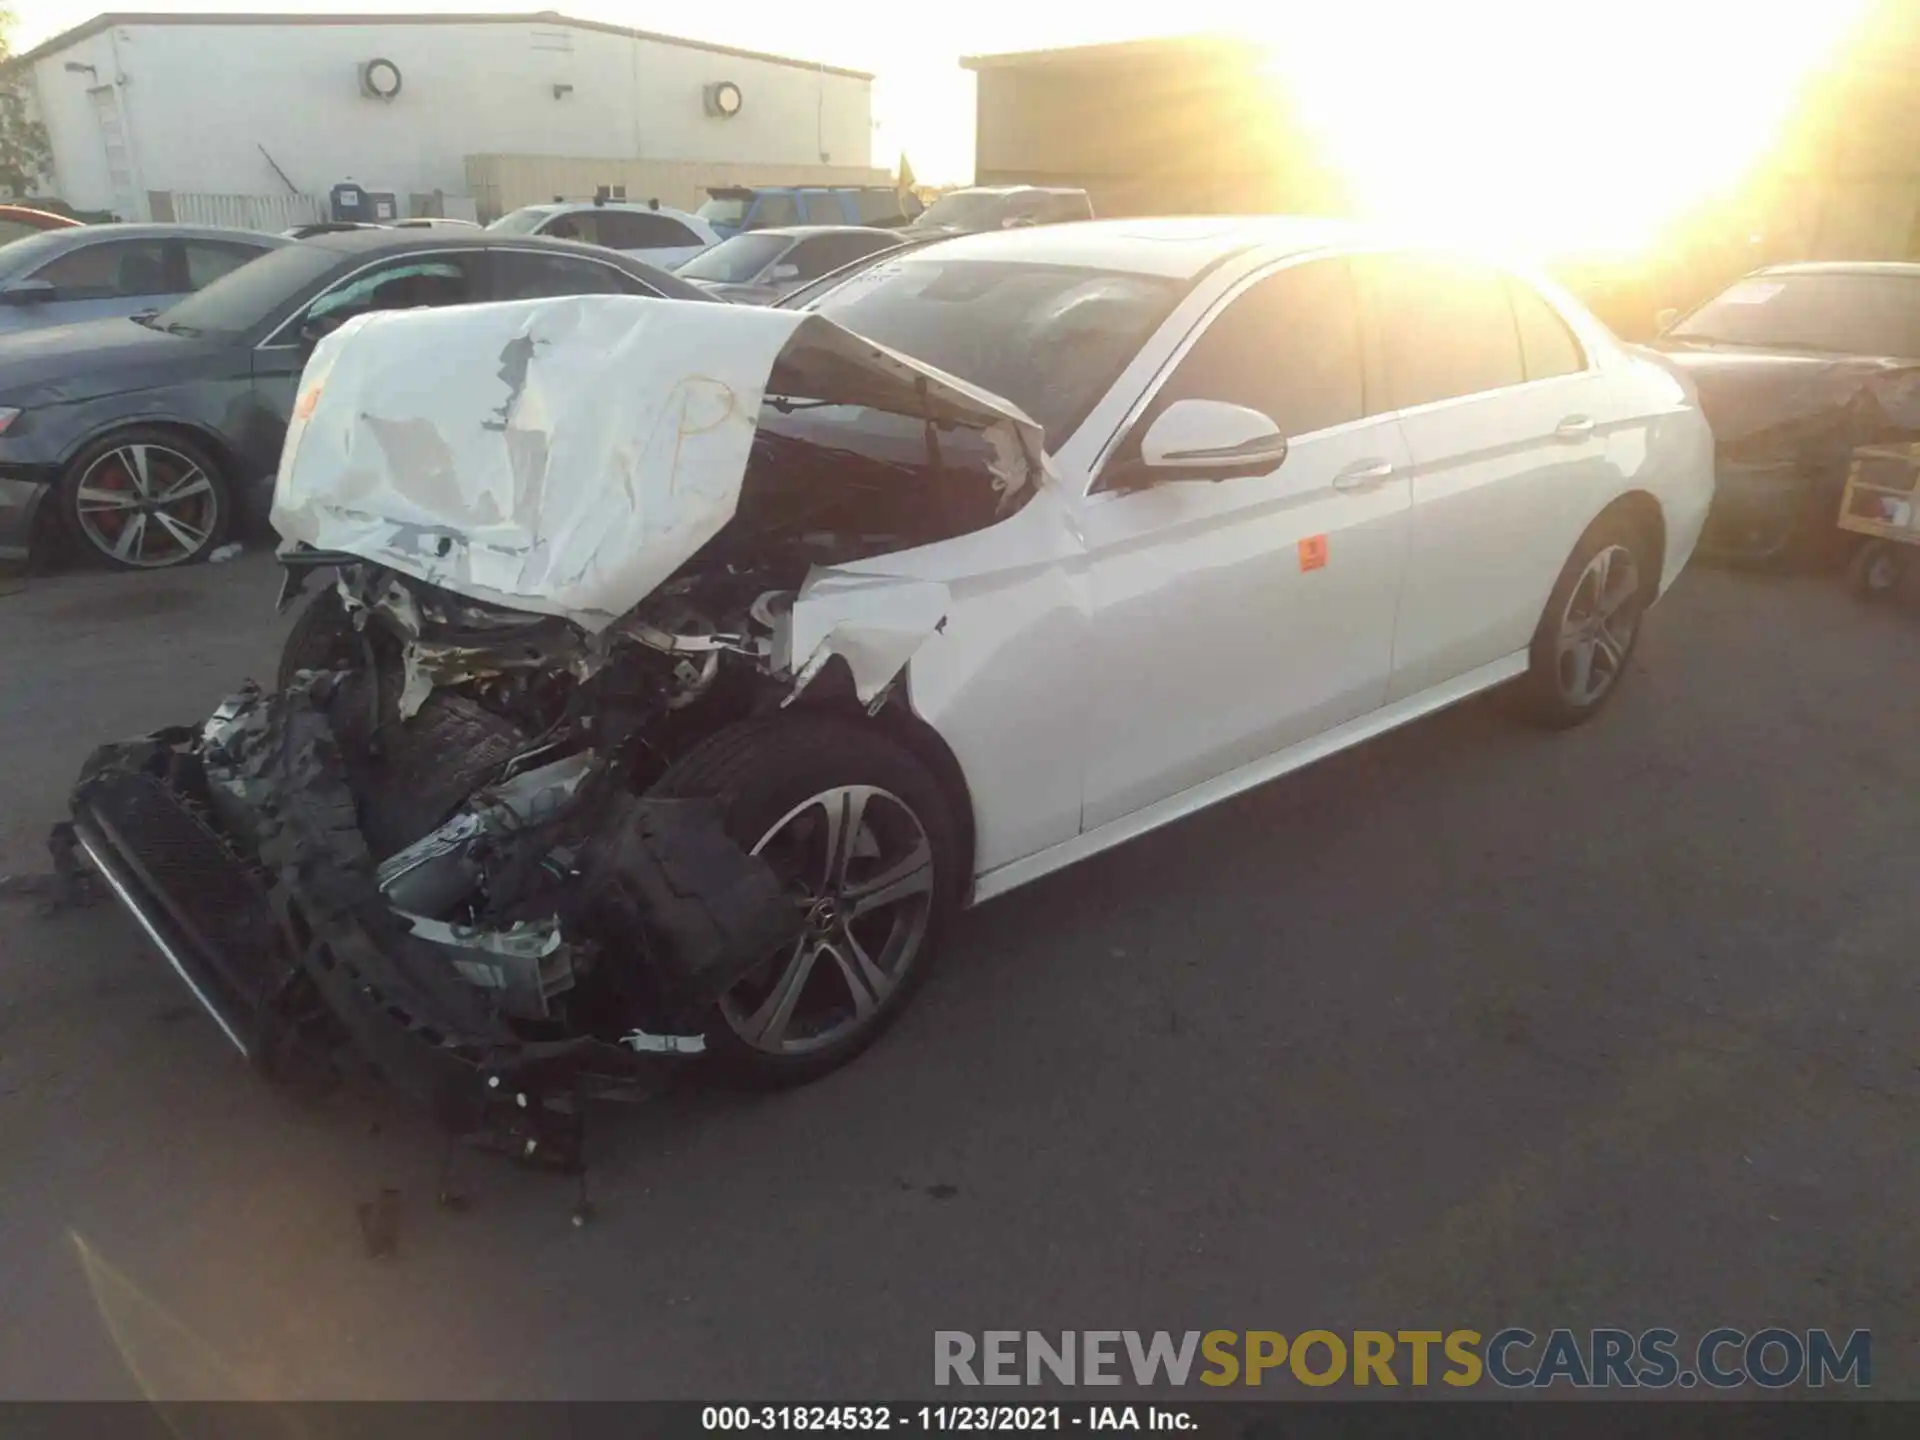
{"type": "Point", "coordinates": [864, 839]}
{"type": "Point", "coordinates": [1876, 569]}
{"type": "Point", "coordinates": [1592, 622]}
{"type": "Point", "coordinates": [146, 499]}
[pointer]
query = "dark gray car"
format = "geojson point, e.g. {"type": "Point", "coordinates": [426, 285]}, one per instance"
{"type": "Point", "coordinates": [154, 436]}
{"type": "Point", "coordinates": [761, 266]}
{"type": "Point", "coordinates": [93, 272]}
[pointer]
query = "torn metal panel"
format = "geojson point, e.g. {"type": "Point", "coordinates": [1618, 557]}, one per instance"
{"type": "Point", "coordinates": [873, 622]}
{"type": "Point", "coordinates": [565, 457]}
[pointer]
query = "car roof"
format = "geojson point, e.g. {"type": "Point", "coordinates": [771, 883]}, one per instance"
{"type": "Point", "coordinates": [369, 244]}
{"type": "Point", "coordinates": [1909, 268]}
{"type": "Point", "coordinates": [1179, 247]}
{"type": "Point", "coordinates": [802, 232]}
{"type": "Point", "coordinates": [626, 207]}
{"type": "Point", "coordinates": [118, 230]}
{"type": "Point", "coordinates": [30, 250]}
{"type": "Point", "coordinates": [1020, 190]}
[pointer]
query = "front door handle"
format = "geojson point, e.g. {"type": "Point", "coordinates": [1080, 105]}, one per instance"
{"type": "Point", "coordinates": [1364, 475]}
{"type": "Point", "coordinates": [1574, 427]}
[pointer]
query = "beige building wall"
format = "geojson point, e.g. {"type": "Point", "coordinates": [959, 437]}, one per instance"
{"type": "Point", "coordinates": [1178, 126]}
{"type": "Point", "coordinates": [499, 183]}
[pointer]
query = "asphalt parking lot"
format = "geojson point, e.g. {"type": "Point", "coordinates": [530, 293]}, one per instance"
{"type": "Point", "coordinates": [1472, 1027]}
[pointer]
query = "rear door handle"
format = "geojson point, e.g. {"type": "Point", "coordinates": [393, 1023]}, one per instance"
{"type": "Point", "coordinates": [1364, 475]}
{"type": "Point", "coordinates": [1574, 427]}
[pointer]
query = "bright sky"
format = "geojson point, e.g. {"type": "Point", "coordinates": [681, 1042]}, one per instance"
{"type": "Point", "coordinates": [1548, 125]}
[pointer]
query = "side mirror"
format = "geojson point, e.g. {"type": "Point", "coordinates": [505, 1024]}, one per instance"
{"type": "Point", "coordinates": [784, 272]}
{"type": "Point", "coordinates": [27, 292]}
{"type": "Point", "coordinates": [1665, 320]}
{"type": "Point", "coordinates": [1201, 440]}
{"type": "Point", "coordinates": [314, 329]}
{"type": "Point", "coordinates": [1210, 440]}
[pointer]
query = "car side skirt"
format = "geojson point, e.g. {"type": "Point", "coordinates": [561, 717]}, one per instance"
{"type": "Point", "coordinates": [1210, 792]}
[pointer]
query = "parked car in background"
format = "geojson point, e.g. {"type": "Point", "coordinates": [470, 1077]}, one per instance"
{"type": "Point", "coordinates": [155, 435]}
{"type": "Point", "coordinates": [736, 209]}
{"type": "Point", "coordinates": [19, 221]}
{"type": "Point", "coordinates": [328, 227]}
{"type": "Point", "coordinates": [89, 272]}
{"type": "Point", "coordinates": [1000, 207]}
{"type": "Point", "coordinates": [1796, 365]}
{"type": "Point", "coordinates": [435, 222]}
{"type": "Point", "coordinates": [761, 267]}
{"type": "Point", "coordinates": [653, 233]}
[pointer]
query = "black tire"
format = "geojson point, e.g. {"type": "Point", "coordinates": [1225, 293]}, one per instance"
{"type": "Point", "coordinates": [763, 770]}
{"type": "Point", "coordinates": [321, 638]}
{"type": "Point", "coordinates": [133, 536]}
{"type": "Point", "coordinates": [1543, 695]}
{"type": "Point", "coordinates": [1876, 569]}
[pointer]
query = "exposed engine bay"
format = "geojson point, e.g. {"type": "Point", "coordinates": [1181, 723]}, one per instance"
{"type": "Point", "coordinates": [449, 841]}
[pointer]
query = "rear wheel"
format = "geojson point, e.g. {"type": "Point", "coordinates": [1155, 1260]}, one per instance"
{"type": "Point", "coordinates": [1592, 622]}
{"type": "Point", "coordinates": [863, 837]}
{"type": "Point", "coordinates": [146, 499]}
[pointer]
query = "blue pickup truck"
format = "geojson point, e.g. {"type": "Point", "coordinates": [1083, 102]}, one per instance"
{"type": "Point", "coordinates": [731, 209]}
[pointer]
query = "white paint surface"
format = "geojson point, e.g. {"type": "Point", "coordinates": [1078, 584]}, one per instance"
{"type": "Point", "coordinates": [198, 103]}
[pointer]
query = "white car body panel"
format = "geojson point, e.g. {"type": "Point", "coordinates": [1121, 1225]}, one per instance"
{"type": "Point", "coordinates": [565, 456]}
{"type": "Point", "coordinates": [1139, 698]}
{"type": "Point", "coordinates": [1101, 662]}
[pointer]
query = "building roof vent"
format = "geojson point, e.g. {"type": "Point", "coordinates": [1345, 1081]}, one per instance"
{"type": "Point", "coordinates": [379, 78]}
{"type": "Point", "coordinates": [722, 99]}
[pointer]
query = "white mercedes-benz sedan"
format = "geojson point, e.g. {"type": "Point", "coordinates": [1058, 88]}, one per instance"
{"type": "Point", "coordinates": [688, 665]}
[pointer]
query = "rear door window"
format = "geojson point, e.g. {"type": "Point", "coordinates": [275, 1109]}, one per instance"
{"type": "Point", "coordinates": [823, 207]}
{"type": "Point", "coordinates": [1446, 328]}
{"type": "Point", "coordinates": [208, 260]}
{"type": "Point", "coordinates": [523, 275]}
{"type": "Point", "coordinates": [636, 230]}
{"type": "Point", "coordinates": [122, 269]}
{"type": "Point", "coordinates": [774, 210]}
{"type": "Point", "coordinates": [1547, 346]}
{"type": "Point", "coordinates": [1288, 346]}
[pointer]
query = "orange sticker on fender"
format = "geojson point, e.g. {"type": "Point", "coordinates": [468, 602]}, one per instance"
{"type": "Point", "coordinates": [1313, 552]}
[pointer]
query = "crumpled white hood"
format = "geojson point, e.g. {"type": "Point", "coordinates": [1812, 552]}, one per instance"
{"type": "Point", "coordinates": [566, 456]}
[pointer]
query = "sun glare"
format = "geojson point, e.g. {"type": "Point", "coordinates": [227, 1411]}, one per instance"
{"type": "Point", "coordinates": [1552, 128]}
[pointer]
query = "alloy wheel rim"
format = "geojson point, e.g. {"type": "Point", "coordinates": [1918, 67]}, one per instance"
{"type": "Point", "coordinates": [1597, 628]}
{"type": "Point", "coordinates": [857, 860]}
{"type": "Point", "coordinates": [146, 506]}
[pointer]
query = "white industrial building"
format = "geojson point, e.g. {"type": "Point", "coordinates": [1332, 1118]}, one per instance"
{"type": "Point", "coordinates": [253, 119]}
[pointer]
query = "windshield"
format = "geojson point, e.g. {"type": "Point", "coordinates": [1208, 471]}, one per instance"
{"type": "Point", "coordinates": [1846, 314]}
{"type": "Point", "coordinates": [244, 298]}
{"type": "Point", "coordinates": [523, 221]}
{"type": "Point", "coordinates": [1050, 338]}
{"type": "Point", "coordinates": [735, 261]}
{"type": "Point", "coordinates": [962, 209]}
{"type": "Point", "coordinates": [725, 209]}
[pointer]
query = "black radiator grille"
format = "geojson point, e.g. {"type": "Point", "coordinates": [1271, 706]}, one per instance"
{"type": "Point", "coordinates": [205, 889]}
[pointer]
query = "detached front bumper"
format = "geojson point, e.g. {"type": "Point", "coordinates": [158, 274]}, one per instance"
{"type": "Point", "coordinates": [261, 897]}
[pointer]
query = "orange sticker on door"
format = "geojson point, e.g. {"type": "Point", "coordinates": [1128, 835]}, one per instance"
{"type": "Point", "coordinates": [1313, 552]}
